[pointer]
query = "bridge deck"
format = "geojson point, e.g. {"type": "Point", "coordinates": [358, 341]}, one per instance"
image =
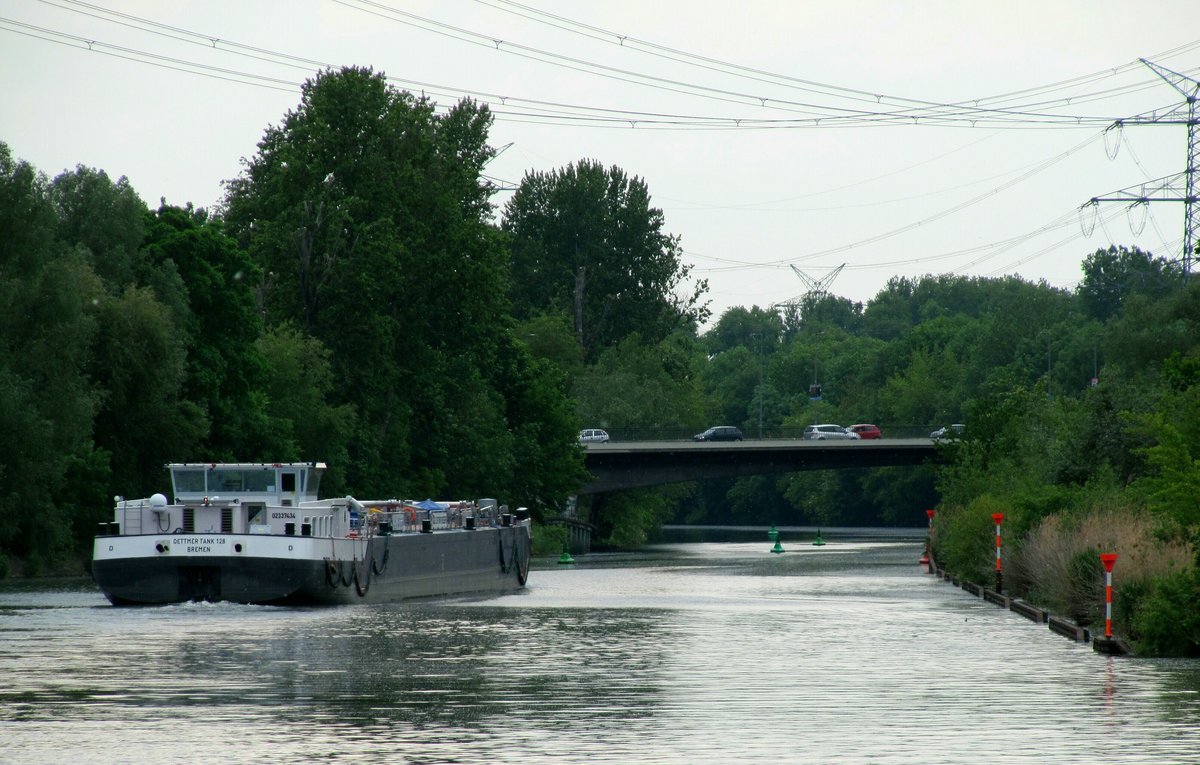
{"type": "Point", "coordinates": [628, 465]}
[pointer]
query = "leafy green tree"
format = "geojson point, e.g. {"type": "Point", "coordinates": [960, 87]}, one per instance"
{"type": "Point", "coordinates": [890, 313]}
{"type": "Point", "coordinates": [1169, 437]}
{"type": "Point", "coordinates": [368, 216]}
{"type": "Point", "coordinates": [640, 390]}
{"type": "Point", "coordinates": [298, 386]}
{"type": "Point", "coordinates": [644, 390]}
{"type": "Point", "coordinates": [549, 337]}
{"type": "Point", "coordinates": [758, 500]}
{"type": "Point", "coordinates": [547, 468]}
{"type": "Point", "coordinates": [586, 241]}
{"type": "Point", "coordinates": [48, 298]}
{"type": "Point", "coordinates": [1148, 331]}
{"type": "Point", "coordinates": [1111, 276]}
{"type": "Point", "coordinates": [140, 362]}
{"type": "Point", "coordinates": [225, 373]}
{"type": "Point", "coordinates": [758, 329]}
{"type": "Point", "coordinates": [821, 311]}
{"type": "Point", "coordinates": [732, 380]}
{"type": "Point", "coordinates": [629, 518]}
{"type": "Point", "coordinates": [105, 219]}
{"type": "Point", "coordinates": [924, 392]}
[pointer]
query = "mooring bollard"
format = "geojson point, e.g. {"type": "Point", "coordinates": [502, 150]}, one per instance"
{"type": "Point", "coordinates": [1108, 559]}
{"type": "Point", "coordinates": [998, 517]}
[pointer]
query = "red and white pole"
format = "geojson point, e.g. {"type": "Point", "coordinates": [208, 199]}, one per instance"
{"type": "Point", "coordinates": [1109, 560]}
{"type": "Point", "coordinates": [926, 560]}
{"type": "Point", "coordinates": [997, 518]}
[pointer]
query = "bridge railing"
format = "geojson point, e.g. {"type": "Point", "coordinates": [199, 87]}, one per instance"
{"type": "Point", "coordinates": [661, 433]}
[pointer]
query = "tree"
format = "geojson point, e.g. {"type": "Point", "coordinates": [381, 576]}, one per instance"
{"type": "Point", "coordinates": [585, 241]}
{"type": "Point", "coordinates": [48, 299]}
{"type": "Point", "coordinates": [299, 383]}
{"type": "Point", "coordinates": [103, 217]}
{"type": "Point", "coordinates": [140, 362]}
{"type": "Point", "coordinates": [549, 337]}
{"type": "Point", "coordinates": [225, 373]}
{"type": "Point", "coordinates": [1111, 276]}
{"type": "Point", "coordinates": [368, 216]}
{"type": "Point", "coordinates": [644, 389]}
{"type": "Point", "coordinates": [758, 329]}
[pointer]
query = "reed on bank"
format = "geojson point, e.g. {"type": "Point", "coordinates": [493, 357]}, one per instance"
{"type": "Point", "coordinates": [1053, 561]}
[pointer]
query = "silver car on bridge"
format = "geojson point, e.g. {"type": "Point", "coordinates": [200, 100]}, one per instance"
{"type": "Point", "coordinates": [829, 431]}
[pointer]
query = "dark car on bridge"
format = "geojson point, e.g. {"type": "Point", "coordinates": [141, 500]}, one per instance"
{"type": "Point", "coordinates": [719, 433]}
{"type": "Point", "coordinates": [949, 432]}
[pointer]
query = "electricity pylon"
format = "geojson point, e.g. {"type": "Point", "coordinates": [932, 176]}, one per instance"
{"type": "Point", "coordinates": [1180, 187]}
{"type": "Point", "coordinates": [818, 287]}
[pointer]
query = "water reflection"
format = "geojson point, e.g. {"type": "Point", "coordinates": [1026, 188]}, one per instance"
{"type": "Point", "coordinates": [685, 652]}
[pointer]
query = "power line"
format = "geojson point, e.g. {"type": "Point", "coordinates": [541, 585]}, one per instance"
{"type": "Point", "coordinates": [524, 111]}
{"type": "Point", "coordinates": [548, 112]}
{"type": "Point", "coordinates": [724, 67]}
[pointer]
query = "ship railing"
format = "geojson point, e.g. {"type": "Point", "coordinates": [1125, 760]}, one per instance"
{"type": "Point", "coordinates": [132, 514]}
{"type": "Point", "coordinates": [370, 518]}
{"type": "Point", "coordinates": [394, 516]}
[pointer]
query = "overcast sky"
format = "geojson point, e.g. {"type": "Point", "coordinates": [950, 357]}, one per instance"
{"type": "Point", "coordinates": [897, 138]}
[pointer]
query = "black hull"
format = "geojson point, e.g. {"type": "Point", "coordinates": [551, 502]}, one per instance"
{"type": "Point", "coordinates": [484, 562]}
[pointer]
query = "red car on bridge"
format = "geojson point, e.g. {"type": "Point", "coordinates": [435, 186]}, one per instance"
{"type": "Point", "coordinates": [866, 431]}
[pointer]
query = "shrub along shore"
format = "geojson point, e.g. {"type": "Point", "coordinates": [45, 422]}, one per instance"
{"type": "Point", "coordinates": [1053, 562]}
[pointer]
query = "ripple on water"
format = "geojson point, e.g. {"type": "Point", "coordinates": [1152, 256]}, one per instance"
{"type": "Point", "coordinates": [696, 654]}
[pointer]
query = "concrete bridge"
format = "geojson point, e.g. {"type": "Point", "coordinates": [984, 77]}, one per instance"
{"type": "Point", "coordinates": [635, 464]}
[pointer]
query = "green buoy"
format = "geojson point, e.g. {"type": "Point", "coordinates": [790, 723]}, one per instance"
{"type": "Point", "coordinates": [565, 559]}
{"type": "Point", "coordinates": [818, 541]}
{"type": "Point", "coordinates": [778, 548]}
{"type": "Point", "coordinates": [773, 535]}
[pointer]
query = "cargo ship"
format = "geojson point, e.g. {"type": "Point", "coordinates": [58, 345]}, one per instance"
{"type": "Point", "coordinates": [257, 533]}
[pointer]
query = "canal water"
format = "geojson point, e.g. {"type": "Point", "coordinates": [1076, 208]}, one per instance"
{"type": "Point", "coordinates": [686, 652]}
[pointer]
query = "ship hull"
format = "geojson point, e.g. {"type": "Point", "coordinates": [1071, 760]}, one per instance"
{"type": "Point", "coordinates": [295, 570]}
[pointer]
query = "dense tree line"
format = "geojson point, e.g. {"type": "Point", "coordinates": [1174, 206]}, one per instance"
{"type": "Point", "coordinates": [348, 302]}
{"type": "Point", "coordinates": [353, 300]}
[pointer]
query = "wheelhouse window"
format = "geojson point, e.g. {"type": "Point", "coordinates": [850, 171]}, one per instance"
{"type": "Point", "coordinates": [188, 481]}
{"type": "Point", "coordinates": [243, 480]}
{"type": "Point", "coordinates": [259, 480]}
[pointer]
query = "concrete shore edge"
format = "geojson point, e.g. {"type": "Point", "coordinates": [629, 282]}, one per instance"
{"type": "Point", "coordinates": [1113, 646]}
